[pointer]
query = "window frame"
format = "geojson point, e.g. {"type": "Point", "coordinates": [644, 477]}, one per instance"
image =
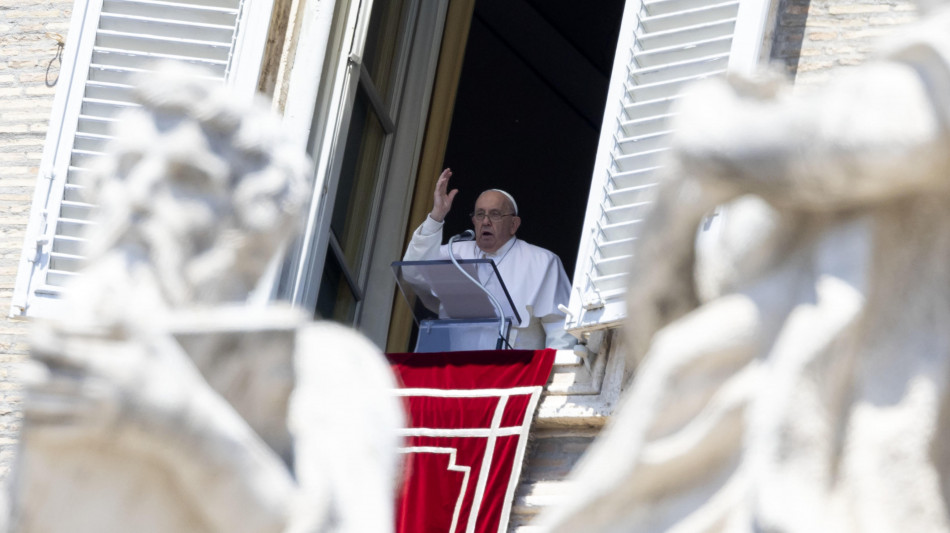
{"type": "Point", "coordinates": [324, 111]}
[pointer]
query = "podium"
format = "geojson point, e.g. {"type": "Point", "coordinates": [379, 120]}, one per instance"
{"type": "Point", "coordinates": [451, 312]}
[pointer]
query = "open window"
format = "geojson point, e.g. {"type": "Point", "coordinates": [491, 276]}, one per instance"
{"type": "Point", "coordinates": [517, 104]}
{"type": "Point", "coordinates": [510, 94]}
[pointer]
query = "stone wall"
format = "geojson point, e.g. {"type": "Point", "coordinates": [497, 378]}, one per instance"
{"type": "Point", "coordinates": [550, 456]}
{"type": "Point", "coordinates": [814, 37]}
{"type": "Point", "coordinates": [30, 33]}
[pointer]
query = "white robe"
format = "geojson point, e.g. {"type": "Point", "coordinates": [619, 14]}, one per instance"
{"type": "Point", "coordinates": [535, 279]}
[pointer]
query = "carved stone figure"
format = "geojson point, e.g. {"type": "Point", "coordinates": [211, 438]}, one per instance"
{"type": "Point", "coordinates": [794, 375]}
{"type": "Point", "coordinates": [162, 402]}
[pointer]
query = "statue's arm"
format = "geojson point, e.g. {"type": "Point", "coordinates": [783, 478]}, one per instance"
{"type": "Point", "coordinates": [346, 459]}
{"type": "Point", "coordinates": [146, 397]}
{"type": "Point", "coordinates": [873, 132]}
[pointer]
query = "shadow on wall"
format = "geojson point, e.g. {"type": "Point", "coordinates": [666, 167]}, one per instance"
{"type": "Point", "coordinates": [789, 35]}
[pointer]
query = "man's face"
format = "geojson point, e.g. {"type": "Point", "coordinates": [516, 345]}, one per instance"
{"type": "Point", "coordinates": [490, 235]}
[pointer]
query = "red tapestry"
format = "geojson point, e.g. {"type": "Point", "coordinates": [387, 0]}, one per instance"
{"type": "Point", "coordinates": [470, 413]}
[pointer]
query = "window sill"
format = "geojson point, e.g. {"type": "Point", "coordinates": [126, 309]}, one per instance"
{"type": "Point", "coordinates": [582, 393]}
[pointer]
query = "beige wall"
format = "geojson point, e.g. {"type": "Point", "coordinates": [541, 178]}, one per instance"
{"type": "Point", "coordinates": [814, 38]}
{"type": "Point", "coordinates": [27, 46]}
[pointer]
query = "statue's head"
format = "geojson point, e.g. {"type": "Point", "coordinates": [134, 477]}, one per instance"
{"type": "Point", "coordinates": [199, 186]}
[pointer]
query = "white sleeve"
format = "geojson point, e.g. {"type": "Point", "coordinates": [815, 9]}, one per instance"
{"type": "Point", "coordinates": [556, 289]}
{"type": "Point", "coordinates": [425, 241]}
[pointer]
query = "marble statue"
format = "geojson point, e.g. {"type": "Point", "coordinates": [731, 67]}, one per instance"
{"type": "Point", "coordinates": [794, 373]}
{"type": "Point", "coordinates": [161, 400]}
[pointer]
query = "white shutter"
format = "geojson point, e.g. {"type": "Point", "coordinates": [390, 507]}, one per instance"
{"type": "Point", "coordinates": [664, 44]}
{"type": "Point", "coordinates": [110, 40]}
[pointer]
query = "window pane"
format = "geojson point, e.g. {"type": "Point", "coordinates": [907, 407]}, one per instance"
{"type": "Point", "coordinates": [359, 176]}
{"type": "Point", "coordinates": [336, 300]}
{"type": "Point", "coordinates": [381, 42]}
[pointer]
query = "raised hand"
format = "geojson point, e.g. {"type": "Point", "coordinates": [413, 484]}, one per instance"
{"type": "Point", "coordinates": [442, 198]}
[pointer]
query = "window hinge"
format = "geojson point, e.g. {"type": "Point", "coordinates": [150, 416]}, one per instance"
{"type": "Point", "coordinates": [41, 242]}
{"type": "Point", "coordinates": [568, 315]}
{"type": "Point", "coordinates": [18, 310]}
{"type": "Point", "coordinates": [592, 301]}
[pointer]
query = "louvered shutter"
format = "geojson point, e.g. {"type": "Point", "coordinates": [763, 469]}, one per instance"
{"type": "Point", "coordinates": [110, 40]}
{"type": "Point", "coordinates": [664, 45]}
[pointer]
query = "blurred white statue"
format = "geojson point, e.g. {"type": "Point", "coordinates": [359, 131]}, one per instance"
{"type": "Point", "coordinates": [793, 376]}
{"type": "Point", "coordinates": [160, 402]}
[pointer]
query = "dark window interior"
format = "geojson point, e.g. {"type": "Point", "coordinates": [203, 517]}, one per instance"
{"type": "Point", "coordinates": [528, 113]}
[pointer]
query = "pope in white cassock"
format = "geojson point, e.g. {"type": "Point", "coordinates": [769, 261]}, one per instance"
{"type": "Point", "coordinates": [535, 277]}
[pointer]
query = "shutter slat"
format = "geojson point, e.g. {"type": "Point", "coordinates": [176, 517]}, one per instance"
{"type": "Point", "coordinates": [75, 210]}
{"type": "Point", "coordinates": [204, 14]}
{"type": "Point", "coordinates": [618, 231]}
{"type": "Point", "coordinates": [682, 36]}
{"type": "Point", "coordinates": [65, 262]}
{"type": "Point", "coordinates": [644, 143]}
{"type": "Point", "coordinates": [645, 107]}
{"type": "Point", "coordinates": [68, 245]}
{"type": "Point", "coordinates": [644, 126]}
{"type": "Point", "coordinates": [72, 227]}
{"type": "Point", "coordinates": [640, 177]}
{"type": "Point", "coordinates": [74, 193]}
{"type": "Point", "coordinates": [665, 91]}
{"type": "Point", "coordinates": [616, 248]}
{"type": "Point", "coordinates": [56, 280]}
{"type": "Point", "coordinates": [151, 45]}
{"type": "Point", "coordinates": [684, 52]}
{"type": "Point", "coordinates": [109, 92]}
{"type": "Point", "coordinates": [84, 159]}
{"type": "Point", "coordinates": [165, 27]}
{"type": "Point", "coordinates": [625, 214]}
{"type": "Point", "coordinates": [631, 162]}
{"type": "Point", "coordinates": [229, 5]}
{"type": "Point", "coordinates": [95, 125]}
{"type": "Point", "coordinates": [125, 58]}
{"type": "Point", "coordinates": [615, 265]}
{"type": "Point", "coordinates": [610, 285]}
{"type": "Point", "coordinates": [90, 143]}
{"type": "Point", "coordinates": [660, 7]}
{"type": "Point", "coordinates": [105, 109]}
{"type": "Point", "coordinates": [687, 18]}
{"type": "Point", "coordinates": [74, 173]}
{"type": "Point", "coordinates": [99, 72]}
{"type": "Point", "coordinates": [702, 66]}
{"type": "Point", "coordinates": [632, 195]}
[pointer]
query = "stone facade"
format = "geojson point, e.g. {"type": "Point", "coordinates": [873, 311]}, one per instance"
{"type": "Point", "coordinates": [811, 39]}
{"type": "Point", "coordinates": [30, 36]}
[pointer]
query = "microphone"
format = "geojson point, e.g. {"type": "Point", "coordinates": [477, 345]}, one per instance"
{"type": "Point", "coordinates": [467, 235]}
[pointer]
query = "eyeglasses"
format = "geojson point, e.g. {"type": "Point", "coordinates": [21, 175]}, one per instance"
{"type": "Point", "coordinates": [495, 216]}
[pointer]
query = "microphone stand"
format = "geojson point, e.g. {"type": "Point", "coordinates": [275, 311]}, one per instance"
{"type": "Point", "coordinates": [468, 235]}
